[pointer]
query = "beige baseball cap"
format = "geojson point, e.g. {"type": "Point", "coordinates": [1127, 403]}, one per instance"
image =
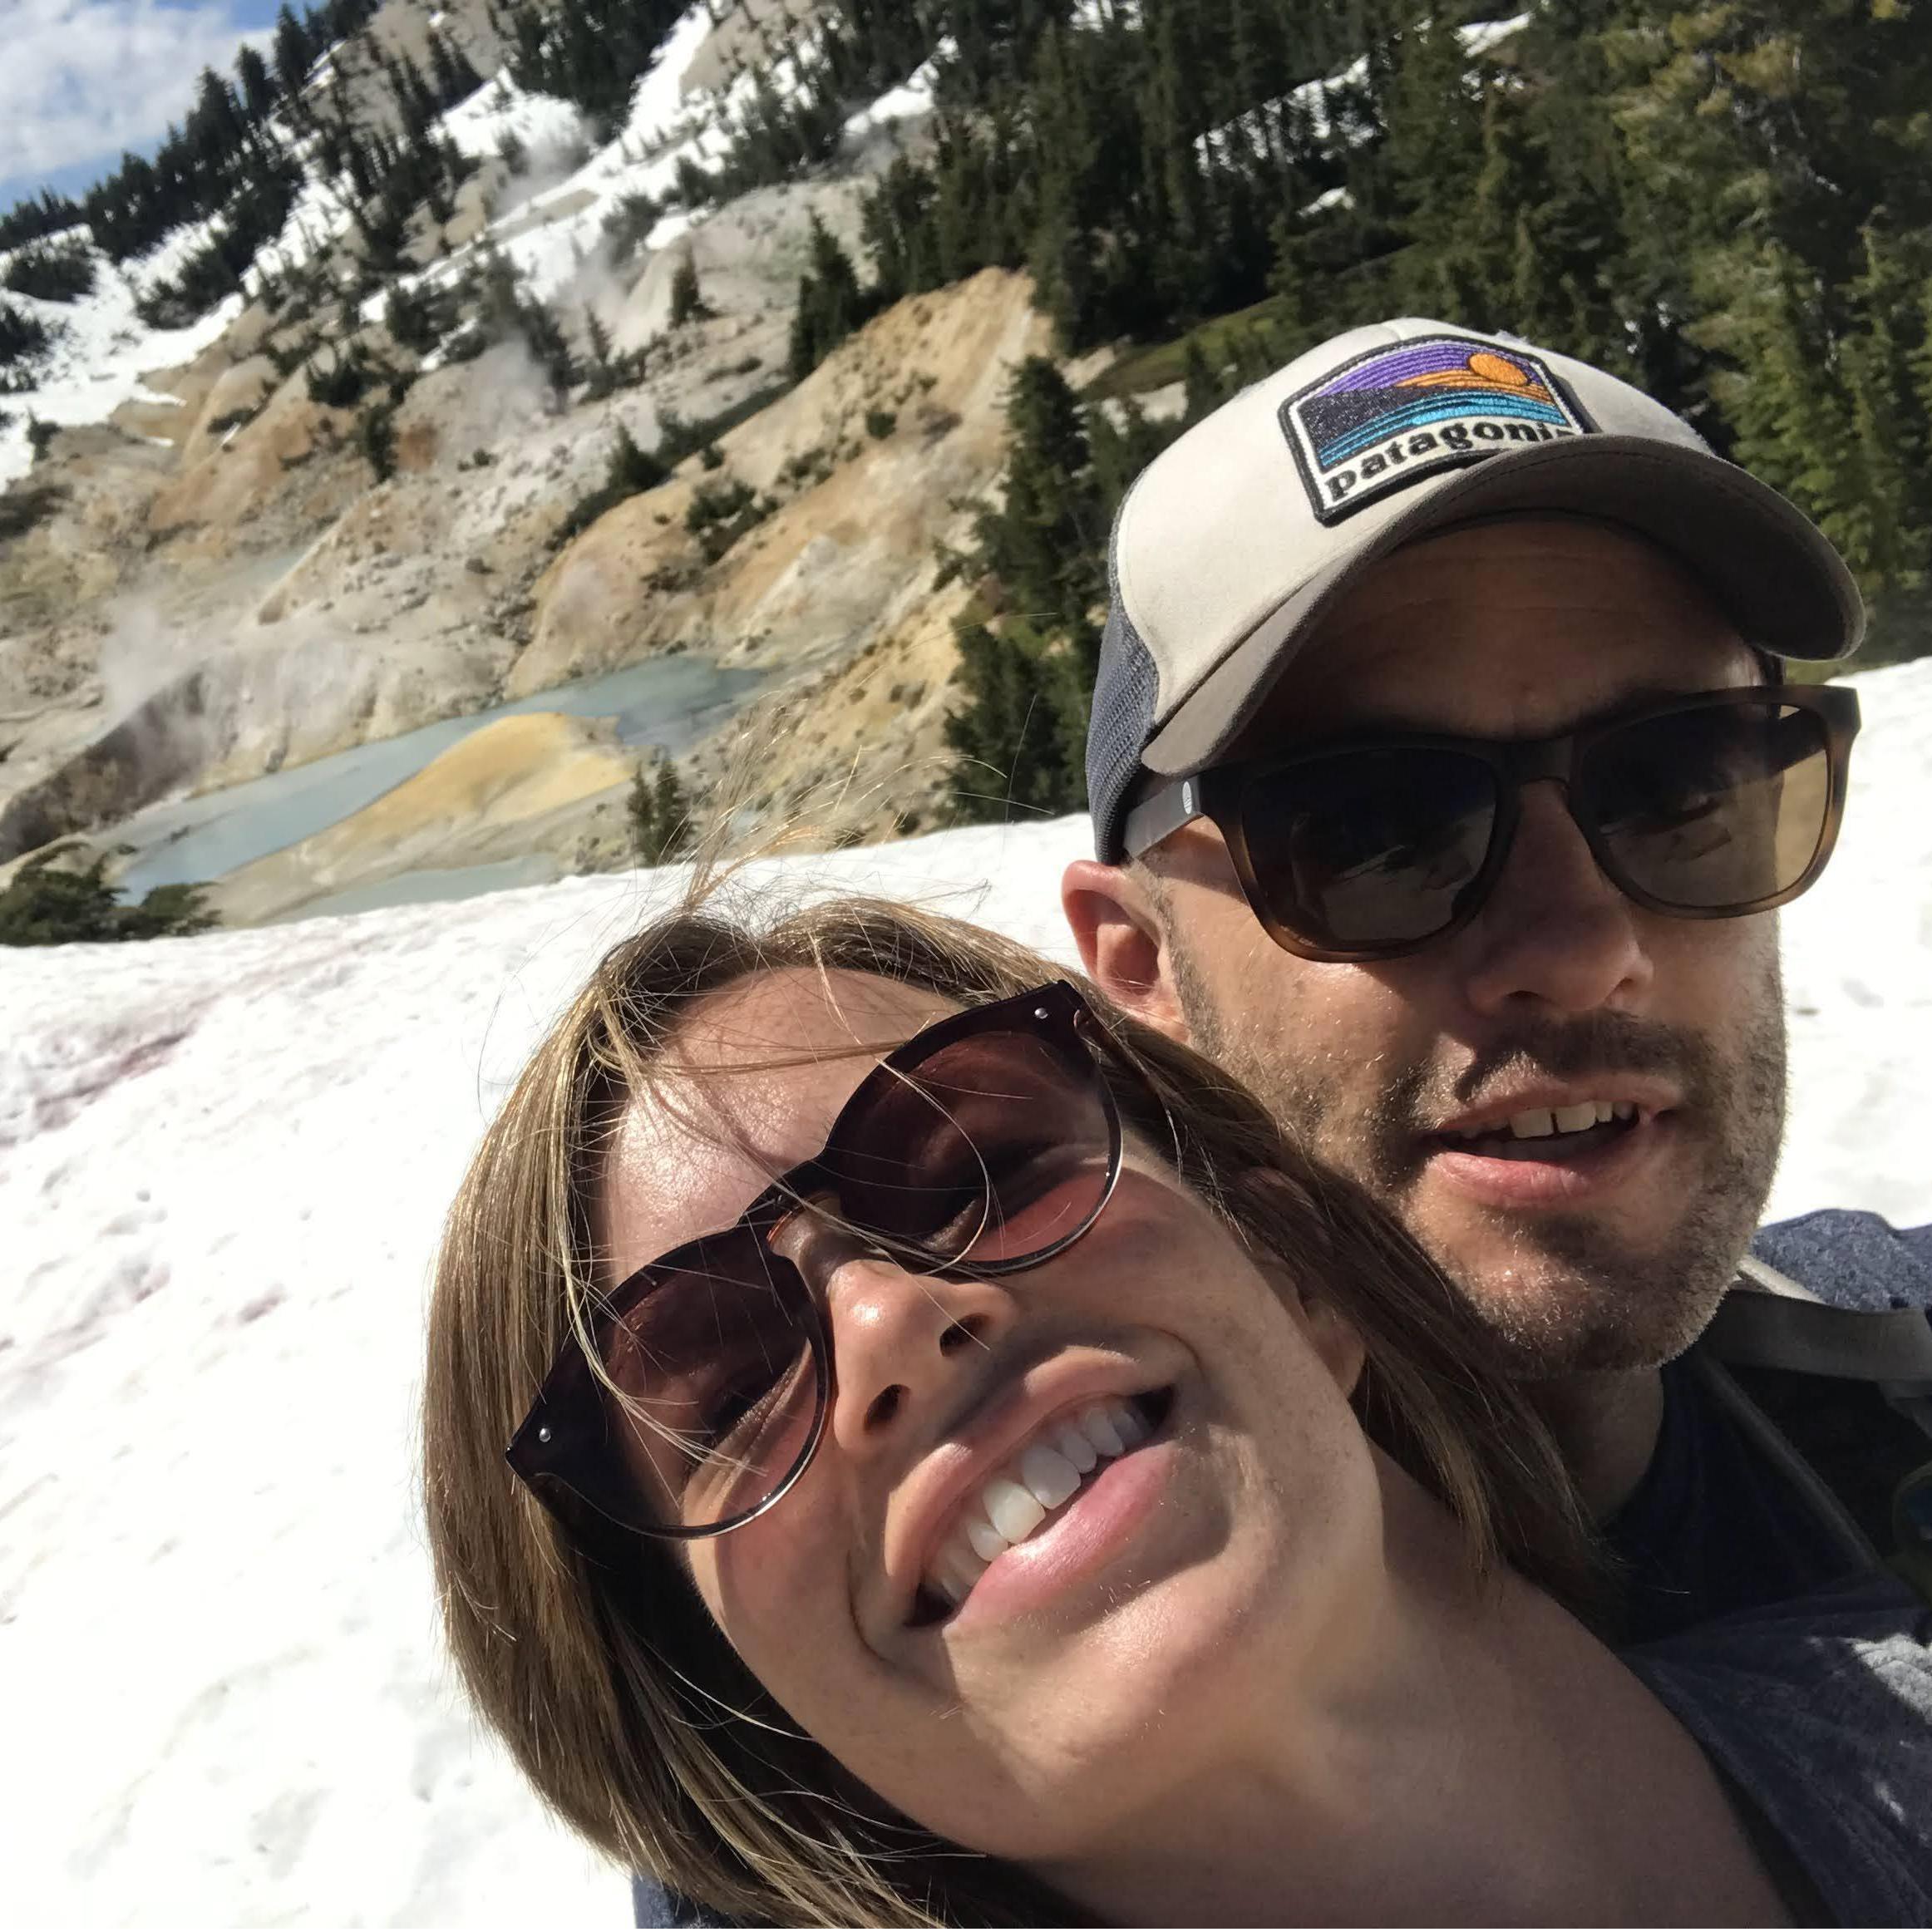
{"type": "Point", "coordinates": [1238, 538]}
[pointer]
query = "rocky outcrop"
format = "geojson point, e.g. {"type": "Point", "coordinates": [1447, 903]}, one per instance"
{"type": "Point", "coordinates": [160, 744]}
{"type": "Point", "coordinates": [867, 463]}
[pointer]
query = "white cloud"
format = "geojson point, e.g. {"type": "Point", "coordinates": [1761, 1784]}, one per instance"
{"type": "Point", "coordinates": [80, 80]}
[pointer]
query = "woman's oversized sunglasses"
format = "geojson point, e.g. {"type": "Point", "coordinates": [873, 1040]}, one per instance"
{"type": "Point", "coordinates": [983, 1145]}
{"type": "Point", "coordinates": [1702, 807]}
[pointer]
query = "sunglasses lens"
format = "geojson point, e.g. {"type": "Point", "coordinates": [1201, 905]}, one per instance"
{"type": "Point", "coordinates": [1716, 809]}
{"type": "Point", "coordinates": [1359, 850]}
{"type": "Point", "coordinates": [716, 1365]}
{"type": "Point", "coordinates": [994, 1148]}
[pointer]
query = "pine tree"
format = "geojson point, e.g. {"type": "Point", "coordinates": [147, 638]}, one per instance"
{"type": "Point", "coordinates": [640, 811]}
{"type": "Point", "coordinates": [1019, 738]}
{"type": "Point", "coordinates": [1121, 450]}
{"type": "Point", "coordinates": [416, 107]}
{"type": "Point", "coordinates": [1044, 542]}
{"type": "Point", "coordinates": [453, 77]}
{"type": "Point", "coordinates": [416, 319]}
{"type": "Point", "coordinates": [56, 897]}
{"type": "Point", "coordinates": [1028, 653]}
{"type": "Point", "coordinates": [670, 813]}
{"type": "Point", "coordinates": [601, 369]}
{"type": "Point", "coordinates": [898, 231]}
{"type": "Point", "coordinates": [24, 338]}
{"type": "Point", "coordinates": [37, 218]}
{"type": "Point", "coordinates": [544, 336]}
{"type": "Point", "coordinates": [687, 303]}
{"type": "Point", "coordinates": [376, 436]}
{"type": "Point", "coordinates": [830, 303]}
{"type": "Point", "coordinates": [1894, 543]}
{"type": "Point", "coordinates": [1433, 165]}
{"type": "Point", "coordinates": [258, 84]}
{"type": "Point", "coordinates": [1785, 401]}
{"type": "Point", "coordinates": [630, 472]}
{"type": "Point", "coordinates": [634, 469]}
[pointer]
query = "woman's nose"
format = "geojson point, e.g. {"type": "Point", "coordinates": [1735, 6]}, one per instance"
{"type": "Point", "coordinates": [901, 1340]}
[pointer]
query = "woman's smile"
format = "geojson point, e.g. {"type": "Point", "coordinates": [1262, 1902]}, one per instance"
{"type": "Point", "coordinates": [1076, 1541]}
{"type": "Point", "coordinates": [1034, 1492]}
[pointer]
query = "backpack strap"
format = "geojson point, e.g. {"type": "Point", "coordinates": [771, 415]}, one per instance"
{"type": "Point", "coordinates": [1840, 1400]}
{"type": "Point", "coordinates": [1769, 1321]}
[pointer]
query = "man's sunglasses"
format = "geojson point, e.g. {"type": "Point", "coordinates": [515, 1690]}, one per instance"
{"type": "Point", "coordinates": [983, 1145]}
{"type": "Point", "coordinates": [1701, 807]}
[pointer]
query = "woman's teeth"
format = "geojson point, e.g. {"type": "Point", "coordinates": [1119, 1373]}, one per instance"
{"type": "Point", "coordinates": [1016, 1502]}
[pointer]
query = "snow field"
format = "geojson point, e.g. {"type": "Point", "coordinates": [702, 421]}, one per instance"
{"type": "Point", "coordinates": [1858, 977]}
{"type": "Point", "coordinates": [223, 1162]}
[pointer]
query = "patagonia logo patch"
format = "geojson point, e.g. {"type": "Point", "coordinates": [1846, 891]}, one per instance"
{"type": "Point", "coordinates": [1394, 416]}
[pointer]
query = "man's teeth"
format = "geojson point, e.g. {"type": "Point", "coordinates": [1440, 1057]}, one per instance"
{"type": "Point", "coordinates": [1014, 1503]}
{"type": "Point", "coordinates": [1537, 1123]}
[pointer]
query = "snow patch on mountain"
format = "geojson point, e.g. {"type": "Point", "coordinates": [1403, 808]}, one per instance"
{"type": "Point", "coordinates": [101, 352]}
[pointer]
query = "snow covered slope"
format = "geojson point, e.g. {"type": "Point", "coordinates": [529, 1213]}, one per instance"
{"type": "Point", "coordinates": [551, 231]}
{"type": "Point", "coordinates": [223, 1163]}
{"type": "Point", "coordinates": [102, 350]}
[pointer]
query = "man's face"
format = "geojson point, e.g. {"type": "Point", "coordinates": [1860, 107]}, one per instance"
{"type": "Point", "coordinates": [1603, 1248]}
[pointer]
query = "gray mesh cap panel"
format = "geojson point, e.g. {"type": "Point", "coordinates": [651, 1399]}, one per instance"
{"type": "Point", "coordinates": [1125, 691]}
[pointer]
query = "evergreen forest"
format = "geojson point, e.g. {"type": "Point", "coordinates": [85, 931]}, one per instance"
{"type": "Point", "coordinates": [1730, 204]}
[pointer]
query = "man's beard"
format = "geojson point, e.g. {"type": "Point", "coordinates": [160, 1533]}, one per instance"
{"type": "Point", "coordinates": [1572, 1294]}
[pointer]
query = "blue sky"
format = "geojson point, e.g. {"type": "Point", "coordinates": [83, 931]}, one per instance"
{"type": "Point", "coordinates": [82, 80]}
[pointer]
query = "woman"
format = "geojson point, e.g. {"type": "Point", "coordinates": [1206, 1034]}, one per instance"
{"type": "Point", "coordinates": [968, 1466]}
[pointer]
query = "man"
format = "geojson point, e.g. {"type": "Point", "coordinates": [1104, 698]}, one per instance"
{"type": "Point", "coordinates": [1444, 788]}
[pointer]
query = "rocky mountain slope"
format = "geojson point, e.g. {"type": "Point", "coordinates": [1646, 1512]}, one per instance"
{"type": "Point", "coordinates": [231, 573]}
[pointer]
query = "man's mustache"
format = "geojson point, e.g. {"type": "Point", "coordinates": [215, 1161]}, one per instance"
{"type": "Point", "coordinates": [1413, 1105]}
{"type": "Point", "coordinates": [1609, 1042]}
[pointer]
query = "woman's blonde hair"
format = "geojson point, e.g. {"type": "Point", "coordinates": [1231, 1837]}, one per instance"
{"type": "Point", "coordinates": [604, 1674]}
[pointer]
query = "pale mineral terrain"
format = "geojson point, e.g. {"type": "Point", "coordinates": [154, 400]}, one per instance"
{"type": "Point", "coordinates": [215, 586]}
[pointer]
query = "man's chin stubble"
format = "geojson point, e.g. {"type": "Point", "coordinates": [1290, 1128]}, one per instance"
{"type": "Point", "coordinates": [1582, 1298]}
{"type": "Point", "coordinates": [1566, 1296]}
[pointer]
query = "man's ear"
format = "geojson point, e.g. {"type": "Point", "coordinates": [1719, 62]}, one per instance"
{"type": "Point", "coordinates": [1123, 942]}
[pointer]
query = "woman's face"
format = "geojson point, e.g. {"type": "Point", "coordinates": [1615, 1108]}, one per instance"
{"type": "Point", "coordinates": [1224, 1539]}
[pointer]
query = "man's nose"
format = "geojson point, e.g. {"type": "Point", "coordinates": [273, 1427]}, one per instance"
{"type": "Point", "coordinates": [902, 1339]}
{"type": "Point", "coordinates": [1555, 935]}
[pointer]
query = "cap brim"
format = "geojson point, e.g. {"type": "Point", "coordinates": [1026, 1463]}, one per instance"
{"type": "Point", "coordinates": [1771, 570]}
